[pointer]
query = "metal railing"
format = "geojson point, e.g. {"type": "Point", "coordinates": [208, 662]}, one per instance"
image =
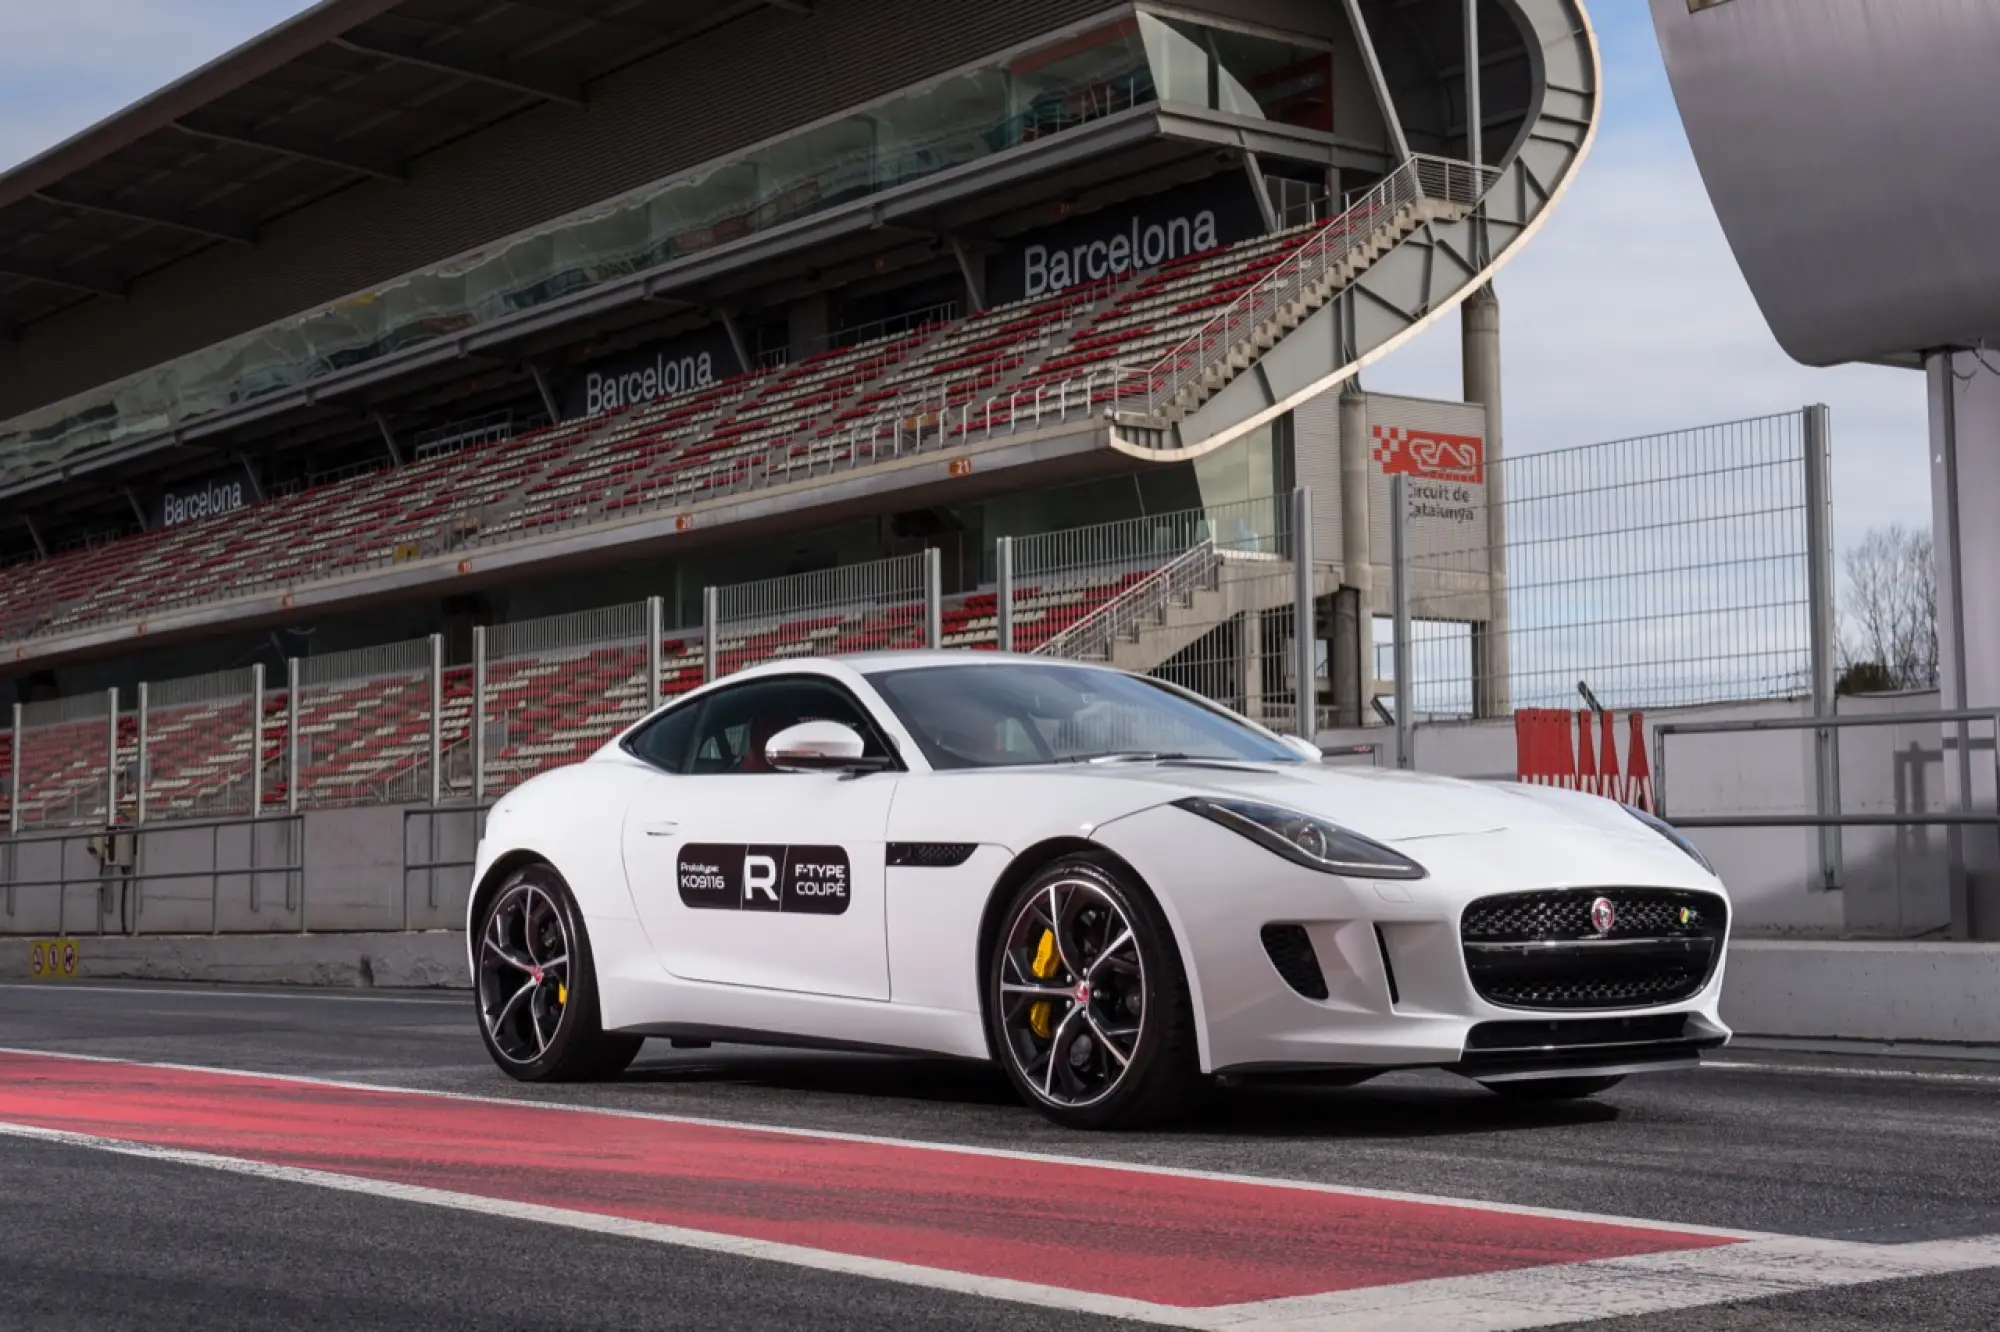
{"type": "Point", "coordinates": [1091, 638]}
{"type": "Point", "coordinates": [1316, 264]}
{"type": "Point", "coordinates": [122, 891]}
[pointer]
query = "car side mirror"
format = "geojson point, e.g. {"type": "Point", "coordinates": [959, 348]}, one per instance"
{"type": "Point", "coordinates": [817, 746]}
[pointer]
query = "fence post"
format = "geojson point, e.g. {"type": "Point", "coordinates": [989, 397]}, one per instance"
{"type": "Point", "coordinates": [1003, 598]}
{"type": "Point", "coordinates": [1399, 579]}
{"type": "Point", "coordinates": [256, 743]}
{"type": "Point", "coordinates": [933, 598]}
{"type": "Point", "coordinates": [656, 628]}
{"type": "Point", "coordinates": [478, 715]}
{"type": "Point", "coordinates": [437, 718]}
{"type": "Point", "coordinates": [139, 768]}
{"type": "Point", "coordinates": [1305, 625]}
{"type": "Point", "coordinates": [295, 833]}
{"type": "Point", "coordinates": [292, 735]}
{"type": "Point", "coordinates": [14, 777]}
{"type": "Point", "coordinates": [1819, 592]}
{"type": "Point", "coordinates": [710, 623]}
{"type": "Point", "coordinates": [111, 762]}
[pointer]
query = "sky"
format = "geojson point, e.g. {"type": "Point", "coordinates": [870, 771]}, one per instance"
{"type": "Point", "coordinates": [1626, 316]}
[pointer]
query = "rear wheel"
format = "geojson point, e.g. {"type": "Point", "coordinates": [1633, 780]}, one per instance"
{"type": "Point", "coordinates": [1553, 1089]}
{"type": "Point", "coordinates": [536, 986]}
{"type": "Point", "coordinates": [1087, 1002]}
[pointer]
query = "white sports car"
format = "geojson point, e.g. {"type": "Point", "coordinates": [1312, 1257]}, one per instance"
{"type": "Point", "coordinates": [1110, 886]}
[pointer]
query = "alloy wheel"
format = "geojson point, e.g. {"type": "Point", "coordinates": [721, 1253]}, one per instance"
{"type": "Point", "coordinates": [1071, 992]}
{"type": "Point", "coordinates": [524, 972]}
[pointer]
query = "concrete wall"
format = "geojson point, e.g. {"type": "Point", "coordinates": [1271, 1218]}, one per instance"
{"type": "Point", "coordinates": [1890, 882]}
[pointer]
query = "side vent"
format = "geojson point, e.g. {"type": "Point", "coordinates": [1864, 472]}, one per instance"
{"type": "Point", "coordinates": [931, 855]}
{"type": "Point", "coordinates": [1291, 952]}
{"type": "Point", "coordinates": [1388, 967]}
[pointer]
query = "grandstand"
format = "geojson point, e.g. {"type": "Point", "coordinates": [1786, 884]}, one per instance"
{"type": "Point", "coordinates": [327, 372]}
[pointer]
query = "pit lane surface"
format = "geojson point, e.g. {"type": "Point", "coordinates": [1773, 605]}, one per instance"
{"type": "Point", "coordinates": [479, 1214]}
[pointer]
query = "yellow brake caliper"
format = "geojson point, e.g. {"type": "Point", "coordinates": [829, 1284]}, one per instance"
{"type": "Point", "coordinates": [1043, 967]}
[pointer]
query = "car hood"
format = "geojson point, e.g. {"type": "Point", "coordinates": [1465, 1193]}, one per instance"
{"type": "Point", "coordinates": [1387, 805]}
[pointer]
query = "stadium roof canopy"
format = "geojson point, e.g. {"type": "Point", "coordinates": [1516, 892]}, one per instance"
{"type": "Point", "coordinates": [347, 91]}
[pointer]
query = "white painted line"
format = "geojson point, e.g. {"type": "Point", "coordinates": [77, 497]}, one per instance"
{"type": "Point", "coordinates": [920, 1144]}
{"type": "Point", "coordinates": [199, 991]}
{"type": "Point", "coordinates": [1616, 1287]}
{"type": "Point", "coordinates": [1501, 1302]}
{"type": "Point", "coordinates": [1840, 1071]}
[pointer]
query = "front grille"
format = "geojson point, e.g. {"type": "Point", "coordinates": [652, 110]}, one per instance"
{"type": "Point", "coordinates": [1544, 950]}
{"type": "Point", "coordinates": [1291, 952]}
{"type": "Point", "coordinates": [1640, 913]}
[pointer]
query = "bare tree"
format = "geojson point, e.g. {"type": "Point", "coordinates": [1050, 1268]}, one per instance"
{"type": "Point", "coordinates": [1889, 622]}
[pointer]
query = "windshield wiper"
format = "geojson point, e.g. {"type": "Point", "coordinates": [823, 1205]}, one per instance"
{"type": "Point", "coordinates": [1125, 756]}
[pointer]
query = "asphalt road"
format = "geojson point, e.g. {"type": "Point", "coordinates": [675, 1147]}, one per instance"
{"type": "Point", "coordinates": [1873, 1150]}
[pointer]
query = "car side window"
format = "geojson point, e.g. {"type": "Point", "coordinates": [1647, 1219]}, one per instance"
{"type": "Point", "coordinates": [736, 724]}
{"type": "Point", "coordinates": [664, 742]}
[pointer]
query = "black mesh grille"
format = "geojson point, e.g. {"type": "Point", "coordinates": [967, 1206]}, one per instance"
{"type": "Point", "coordinates": [1636, 991]}
{"type": "Point", "coordinates": [931, 855]}
{"type": "Point", "coordinates": [1292, 954]}
{"type": "Point", "coordinates": [1639, 913]}
{"type": "Point", "coordinates": [1546, 950]}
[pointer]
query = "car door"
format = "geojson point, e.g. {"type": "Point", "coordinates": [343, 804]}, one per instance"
{"type": "Point", "coordinates": [747, 876]}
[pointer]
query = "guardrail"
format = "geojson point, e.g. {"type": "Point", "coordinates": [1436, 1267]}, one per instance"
{"type": "Point", "coordinates": [1965, 814]}
{"type": "Point", "coordinates": [1096, 633]}
{"type": "Point", "coordinates": [119, 878]}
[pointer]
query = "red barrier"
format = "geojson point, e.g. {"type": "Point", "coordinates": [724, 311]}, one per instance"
{"type": "Point", "coordinates": [1586, 760]}
{"type": "Point", "coordinates": [1544, 756]}
{"type": "Point", "coordinates": [1639, 773]}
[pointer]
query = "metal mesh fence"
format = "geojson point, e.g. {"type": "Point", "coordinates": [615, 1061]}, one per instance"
{"type": "Point", "coordinates": [65, 761]}
{"type": "Point", "coordinates": [859, 608]}
{"type": "Point", "coordinates": [557, 687]}
{"type": "Point", "coordinates": [1204, 598]}
{"type": "Point", "coordinates": [364, 724]}
{"type": "Point", "coordinates": [1659, 571]}
{"type": "Point", "coordinates": [199, 734]}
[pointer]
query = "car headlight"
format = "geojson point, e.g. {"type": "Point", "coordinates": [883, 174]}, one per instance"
{"type": "Point", "coordinates": [1305, 839]}
{"type": "Point", "coordinates": [1672, 834]}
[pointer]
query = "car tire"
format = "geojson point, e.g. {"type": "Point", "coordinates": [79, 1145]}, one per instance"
{"type": "Point", "coordinates": [535, 986]}
{"type": "Point", "coordinates": [1147, 1076]}
{"type": "Point", "coordinates": [1554, 1089]}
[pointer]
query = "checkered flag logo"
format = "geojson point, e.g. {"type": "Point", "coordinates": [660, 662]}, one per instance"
{"type": "Point", "coordinates": [1428, 454]}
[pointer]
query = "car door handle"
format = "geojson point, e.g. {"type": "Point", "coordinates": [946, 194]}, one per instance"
{"type": "Point", "coordinates": [661, 828]}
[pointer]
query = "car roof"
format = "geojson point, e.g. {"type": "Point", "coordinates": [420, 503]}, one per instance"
{"type": "Point", "coordinates": [875, 663]}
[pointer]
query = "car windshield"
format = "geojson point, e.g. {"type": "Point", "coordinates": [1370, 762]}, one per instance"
{"type": "Point", "coordinates": [1008, 714]}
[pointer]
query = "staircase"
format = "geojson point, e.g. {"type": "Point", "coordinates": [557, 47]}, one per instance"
{"type": "Point", "coordinates": [1174, 607]}
{"type": "Point", "coordinates": [1422, 192]}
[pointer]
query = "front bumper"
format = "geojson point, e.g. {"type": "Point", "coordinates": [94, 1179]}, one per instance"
{"type": "Point", "coordinates": [1397, 991]}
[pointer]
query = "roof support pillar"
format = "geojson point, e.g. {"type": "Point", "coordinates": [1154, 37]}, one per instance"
{"type": "Point", "coordinates": [548, 397]}
{"type": "Point", "coordinates": [389, 439]}
{"type": "Point", "coordinates": [250, 475]}
{"type": "Point", "coordinates": [138, 509]}
{"type": "Point", "coordinates": [35, 535]}
{"type": "Point", "coordinates": [1378, 81]}
{"type": "Point", "coordinates": [1265, 208]}
{"type": "Point", "coordinates": [735, 332]}
{"type": "Point", "coordinates": [974, 274]}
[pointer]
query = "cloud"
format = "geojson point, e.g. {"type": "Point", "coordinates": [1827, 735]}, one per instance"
{"type": "Point", "coordinates": [1627, 315]}
{"type": "Point", "coordinates": [66, 64]}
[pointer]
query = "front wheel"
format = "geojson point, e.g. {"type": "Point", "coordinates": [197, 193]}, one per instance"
{"type": "Point", "coordinates": [537, 988]}
{"type": "Point", "coordinates": [1553, 1089]}
{"type": "Point", "coordinates": [1087, 1003]}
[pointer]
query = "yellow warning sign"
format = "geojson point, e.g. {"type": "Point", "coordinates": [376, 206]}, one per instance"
{"type": "Point", "coordinates": [52, 959]}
